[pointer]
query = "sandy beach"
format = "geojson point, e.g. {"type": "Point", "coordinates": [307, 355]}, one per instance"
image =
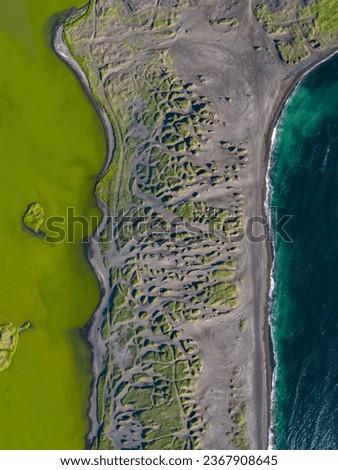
{"type": "Point", "coordinates": [236, 72]}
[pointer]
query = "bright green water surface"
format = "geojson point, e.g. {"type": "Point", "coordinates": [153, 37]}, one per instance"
{"type": "Point", "coordinates": [51, 148]}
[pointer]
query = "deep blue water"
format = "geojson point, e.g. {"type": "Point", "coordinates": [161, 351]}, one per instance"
{"type": "Point", "coordinates": [304, 179]}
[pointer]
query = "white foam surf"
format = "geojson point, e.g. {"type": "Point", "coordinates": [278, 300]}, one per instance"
{"type": "Point", "coordinates": [268, 213]}
{"type": "Point", "coordinates": [267, 207]}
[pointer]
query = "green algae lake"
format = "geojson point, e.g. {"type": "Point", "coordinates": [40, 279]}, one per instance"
{"type": "Point", "coordinates": [52, 148]}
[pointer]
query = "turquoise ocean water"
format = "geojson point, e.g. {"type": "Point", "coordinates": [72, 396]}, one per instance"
{"type": "Point", "coordinates": [304, 181]}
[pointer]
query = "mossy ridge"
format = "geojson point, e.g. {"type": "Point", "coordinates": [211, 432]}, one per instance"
{"type": "Point", "coordinates": [105, 188]}
{"type": "Point", "coordinates": [231, 22]}
{"type": "Point", "coordinates": [141, 328]}
{"type": "Point", "coordinates": [113, 187]}
{"type": "Point", "coordinates": [166, 376]}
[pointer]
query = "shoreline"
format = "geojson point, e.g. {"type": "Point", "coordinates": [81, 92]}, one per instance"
{"type": "Point", "coordinates": [270, 357]}
{"type": "Point", "coordinates": [90, 246]}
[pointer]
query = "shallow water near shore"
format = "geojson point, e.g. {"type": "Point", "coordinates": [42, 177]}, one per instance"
{"type": "Point", "coordinates": [52, 147]}
{"type": "Point", "coordinates": [304, 179]}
